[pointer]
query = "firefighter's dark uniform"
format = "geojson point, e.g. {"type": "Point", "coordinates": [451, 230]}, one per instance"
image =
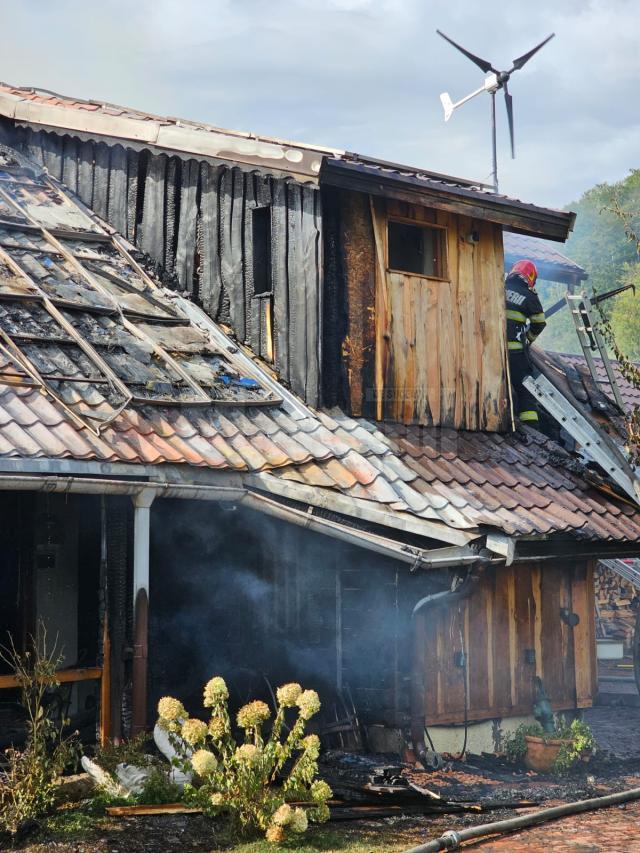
{"type": "Point", "coordinates": [525, 321]}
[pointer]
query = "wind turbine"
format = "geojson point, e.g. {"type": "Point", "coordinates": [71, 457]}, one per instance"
{"type": "Point", "coordinates": [494, 81]}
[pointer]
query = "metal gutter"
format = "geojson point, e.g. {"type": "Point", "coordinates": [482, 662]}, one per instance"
{"type": "Point", "coordinates": [88, 486]}
{"type": "Point", "coordinates": [416, 557]}
{"type": "Point", "coordinates": [363, 509]}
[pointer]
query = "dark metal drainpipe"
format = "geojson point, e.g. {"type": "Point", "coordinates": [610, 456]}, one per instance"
{"type": "Point", "coordinates": [458, 591]}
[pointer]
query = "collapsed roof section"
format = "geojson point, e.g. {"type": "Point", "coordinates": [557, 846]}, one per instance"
{"type": "Point", "coordinates": [87, 324]}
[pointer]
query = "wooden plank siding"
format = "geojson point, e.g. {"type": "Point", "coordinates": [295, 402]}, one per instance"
{"type": "Point", "coordinates": [427, 350]}
{"type": "Point", "coordinates": [194, 219]}
{"type": "Point", "coordinates": [510, 613]}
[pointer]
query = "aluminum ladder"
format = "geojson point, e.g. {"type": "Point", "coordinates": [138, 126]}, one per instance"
{"type": "Point", "coordinates": [627, 569]}
{"type": "Point", "coordinates": [591, 341]}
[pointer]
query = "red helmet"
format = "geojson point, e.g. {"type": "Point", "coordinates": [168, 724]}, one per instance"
{"type": "Point", "coordinates": [526, 270]}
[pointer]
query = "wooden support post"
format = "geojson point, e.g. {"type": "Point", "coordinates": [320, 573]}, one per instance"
{"type": "Point", "coordinates": [142, 515]}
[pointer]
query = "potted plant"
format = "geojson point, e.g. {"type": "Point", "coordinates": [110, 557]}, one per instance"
{"type": "Point", "coordinates": [556, 751]}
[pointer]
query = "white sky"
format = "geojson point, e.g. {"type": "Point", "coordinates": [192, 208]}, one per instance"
{"type": "Point", "coordinates": [363, 75]}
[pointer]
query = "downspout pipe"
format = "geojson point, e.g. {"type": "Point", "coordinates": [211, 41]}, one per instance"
{"type": "Point", "coordinates": [141, 536]}
{"type": "Point", "coordinates": [460, 589]}
{"type": "Point", "coordinates": [452, 840]}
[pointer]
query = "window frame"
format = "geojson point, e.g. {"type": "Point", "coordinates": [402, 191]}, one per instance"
{"type": "Point", "coordinates": [406, 220]}
{"type": "Point", "coordinates": [269, 266]}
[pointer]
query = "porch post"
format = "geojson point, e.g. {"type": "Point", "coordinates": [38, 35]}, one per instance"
{"type": "Point", "coordinates": [141, 519]}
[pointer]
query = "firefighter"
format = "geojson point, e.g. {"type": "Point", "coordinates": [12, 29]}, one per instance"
{"type": "Point", "coordinates": [525, 321]}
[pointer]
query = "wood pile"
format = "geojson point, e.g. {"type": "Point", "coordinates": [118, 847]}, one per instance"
{"type": "Point", "coordinates": [616, 602]}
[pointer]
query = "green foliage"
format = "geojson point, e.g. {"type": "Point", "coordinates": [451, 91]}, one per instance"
{"type": "Point", "coordinates": [253, 782]}
{"type": "Point", "coordinates": [581, 743]}
{"type": "Point", "coordinates": [132, 751]}
{"type": "Point", "coordinates": [599, 242]}
{"type": "Point", "coordinates": [577, 733]}
{"type": "Point", "coordinates": [608, 215]}
{"type": "Point", "coordinates": [158, 789]}
{"type": "Point", "coordinates": [29, 781]}
{"type": "Point", "coordinates": [515, 745]}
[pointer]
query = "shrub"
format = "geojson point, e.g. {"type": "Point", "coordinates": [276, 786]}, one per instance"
{"type": "Point", "coordinates": [577, 732]}
{"type": "Point", "coordinates": [29, 781]}
{"type": "Point", "coordinates": [248, 781]}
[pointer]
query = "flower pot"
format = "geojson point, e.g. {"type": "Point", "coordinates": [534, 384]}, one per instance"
{"type": "Point", "coordinates": [542, 753]}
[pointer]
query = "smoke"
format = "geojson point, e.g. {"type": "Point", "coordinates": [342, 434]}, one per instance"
{"type": "Point", "coordinates": [251, 598]}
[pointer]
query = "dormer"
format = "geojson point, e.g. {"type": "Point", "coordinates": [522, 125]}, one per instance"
{"type": "Point", "coordinates": [414, 317]}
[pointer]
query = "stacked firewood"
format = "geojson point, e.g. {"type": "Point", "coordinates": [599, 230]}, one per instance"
{"type": "Point", "coordinates": [617, 600]}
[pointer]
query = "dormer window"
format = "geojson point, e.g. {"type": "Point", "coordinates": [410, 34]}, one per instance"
{"type": "Point", "coordinates": [417, 249]}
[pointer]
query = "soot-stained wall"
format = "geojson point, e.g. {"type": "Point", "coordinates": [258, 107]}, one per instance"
{"type": "Point", "coordinates": [243, 595]}
{"type": "Point", "coordinates": [194, 218]}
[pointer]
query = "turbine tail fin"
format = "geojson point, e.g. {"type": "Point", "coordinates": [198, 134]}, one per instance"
{"type": "Point", "coordinates": [447, 105]}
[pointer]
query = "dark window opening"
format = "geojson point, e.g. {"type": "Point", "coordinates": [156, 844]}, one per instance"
{"type": "Point", "coordinates": [261, 235]}
{"type": "Point", "coordinates": [417, 249]}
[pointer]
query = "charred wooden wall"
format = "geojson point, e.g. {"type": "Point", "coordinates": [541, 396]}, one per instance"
{"type": "Point", "coordinates": [511, 629]}
{"type": "Point", "coordinates": [193, 218]}
{"type": "Point", "coordinates": [411, 348]}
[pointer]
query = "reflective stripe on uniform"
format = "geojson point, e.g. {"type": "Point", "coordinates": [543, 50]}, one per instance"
{"type": "Point", "coordinates": [514, 345]}
{"type": "Point", "coordinates": [537, 318]}
{"type": "Point", "coordinates": [518, 316]}
{"type": "Point", "coordinates": [528, 416]}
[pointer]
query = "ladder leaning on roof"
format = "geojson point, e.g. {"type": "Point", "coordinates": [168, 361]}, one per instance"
{"type": "Point", "coordinates": [591, 340]}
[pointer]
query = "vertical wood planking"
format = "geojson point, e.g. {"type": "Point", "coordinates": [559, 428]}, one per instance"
{"type": "Point", "coordinates": [117, 204]}
{"type": "Point", "coordinates": [501, 668]}
{"type": "Point", "coordinates": [358, 343]}
{"type": "Point", "coordinates": [252, 305]}
{"type": "Point", "coordinates": [524, 615]}
{"type": "Point", "coordinates": [186, 244]}
{"type": "Point", "coordinates": [52, 154]}
{"type": "Point", "coordinates": [231, 213]}
{"type": "Point", "coordinates": [70, 163]}
{"type": "Point", "coordinates": [310, 243]}
{"type": "Point", "coordinates": [382, 306]}
{"type": "Point", "coordinates": [210, 281]}
{"type": "Point", "coordinates": [478, 647]}
{"type": "Point", "coordinates": [583, 638]}
{"type": "Point", "coordinates": [151, 238]}
{"type": "Point", "coordinates": [449, 326]}
{"type": "Point", "coordinates": [35, 146]}
{"type": "Point", "coordinates": [101, 179]}
{"type": "Point", "coordinates": [170, 214]}
{"type": "Point", "coordinates": [280, 284]}
{"type": "Point", "coordinates": [297, 301]}
{"type": "Point", "coordinates": [132, 195]}
{"type": "Point", "coordinates": [85, 173]}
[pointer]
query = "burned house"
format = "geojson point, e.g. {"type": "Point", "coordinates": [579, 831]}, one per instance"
{"type": "Point", "coordinates": [256, 420]}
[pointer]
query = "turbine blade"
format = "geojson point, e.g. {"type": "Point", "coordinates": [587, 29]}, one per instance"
{"type": "Point", "coordinates": [481, 63]}
{"type": "Point", "coordinates": [522, 60]}
{"type": "Point", "coordinates": [508, 101]}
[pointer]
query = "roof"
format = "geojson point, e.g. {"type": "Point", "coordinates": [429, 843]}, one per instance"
{"type": "Point", "coordinates": [99, 364]}
{"type": "Point", "coordinates": [552, 264]}
{"type": "Point", "coordinates": [629, 393]}
{"type": "Point", "coordinates": [444, 192]}
{"type": "Point", "coordinates": [99, 119]}
{"type": "Point", "coordinates": [521, 482]}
